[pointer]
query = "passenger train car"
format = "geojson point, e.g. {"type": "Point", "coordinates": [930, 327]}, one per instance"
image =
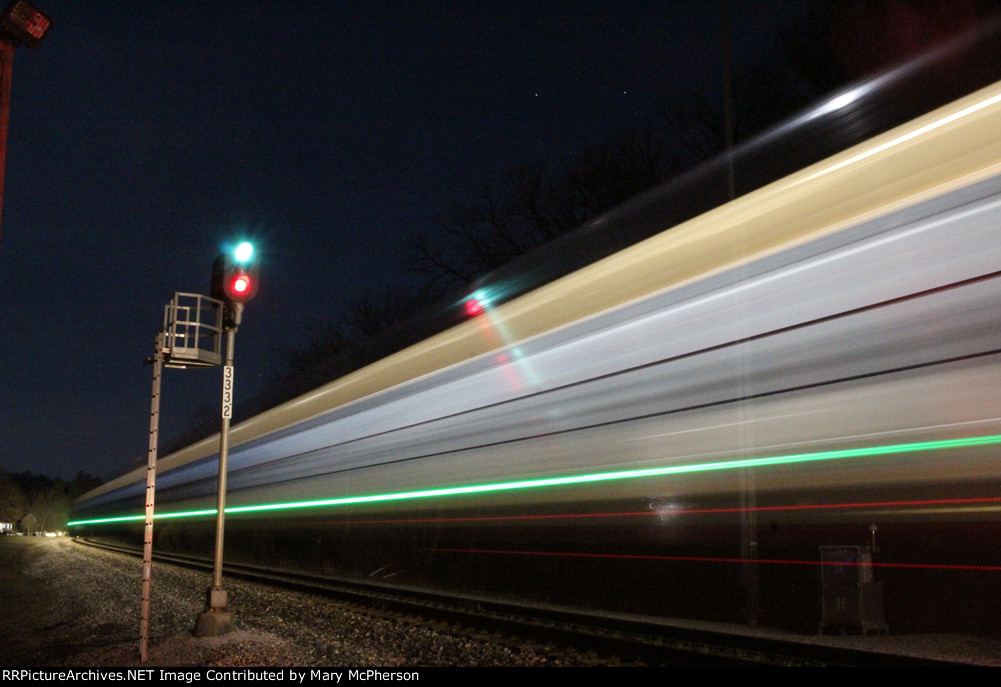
{"type": "Point", "coordinates": [687, 428]}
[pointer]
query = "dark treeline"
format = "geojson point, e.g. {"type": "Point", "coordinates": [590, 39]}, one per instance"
{"type": "Point", "coordinates": [38, 503]}
{"type": "Point", "coordinates": [526, 207]}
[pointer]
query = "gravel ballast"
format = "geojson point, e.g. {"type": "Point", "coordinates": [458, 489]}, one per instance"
{"type": "Point", "coordinates": [70, 605]}
{"type": "Point", "coordinates": [64, 604]}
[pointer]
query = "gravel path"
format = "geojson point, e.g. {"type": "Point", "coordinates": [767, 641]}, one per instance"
{"type": "Point", "coordinates": [68, 605]}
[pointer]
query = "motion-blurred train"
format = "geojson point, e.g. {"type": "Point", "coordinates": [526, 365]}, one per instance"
{"type": "Point", "coordinates": [689, 427]}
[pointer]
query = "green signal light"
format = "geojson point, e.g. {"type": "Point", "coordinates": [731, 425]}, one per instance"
{"type": "Point", "coordinates": [580, 479]}
{"type": "Point", "coordinates": [244, 252]}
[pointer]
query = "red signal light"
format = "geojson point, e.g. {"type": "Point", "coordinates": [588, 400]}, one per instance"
{"type": "Point", "coordinates": [240, 287]}
{"type": "Point", "coordinates": [241, 284]}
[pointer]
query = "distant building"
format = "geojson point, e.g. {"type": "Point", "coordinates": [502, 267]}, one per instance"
{"type": "Point", "coordinates": [6, 528]}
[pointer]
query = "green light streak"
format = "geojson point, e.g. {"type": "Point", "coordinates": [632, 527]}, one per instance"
{"type": "Point", "coordinates": [578, 479]}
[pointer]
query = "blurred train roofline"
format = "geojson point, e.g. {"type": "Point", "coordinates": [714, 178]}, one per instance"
{"type": "Point", "coordinates": [765, 220]}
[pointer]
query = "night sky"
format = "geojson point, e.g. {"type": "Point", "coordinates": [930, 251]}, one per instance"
{"type": "Point", "coordinates": [145, 135]}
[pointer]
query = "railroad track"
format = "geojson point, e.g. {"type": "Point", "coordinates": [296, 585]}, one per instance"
{"type": "Point", "coordinates": [610, 639]}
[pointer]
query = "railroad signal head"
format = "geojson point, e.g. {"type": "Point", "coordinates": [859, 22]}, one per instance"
{"type": "Point", "coordinates": [234, 274]}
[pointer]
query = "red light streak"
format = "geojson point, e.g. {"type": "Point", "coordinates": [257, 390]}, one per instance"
{"type": "Point", "coordinates": [473, 307]}
{"type": "Point", "coordinates": [861, 504]}
{"type": "Point", "coordinates": [707, 559]}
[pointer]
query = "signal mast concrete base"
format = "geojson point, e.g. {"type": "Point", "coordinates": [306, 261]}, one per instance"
{"type": "Point", "coordinates": [215, 620]}
{"type": "Point", "coordinates": [213, 624]}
